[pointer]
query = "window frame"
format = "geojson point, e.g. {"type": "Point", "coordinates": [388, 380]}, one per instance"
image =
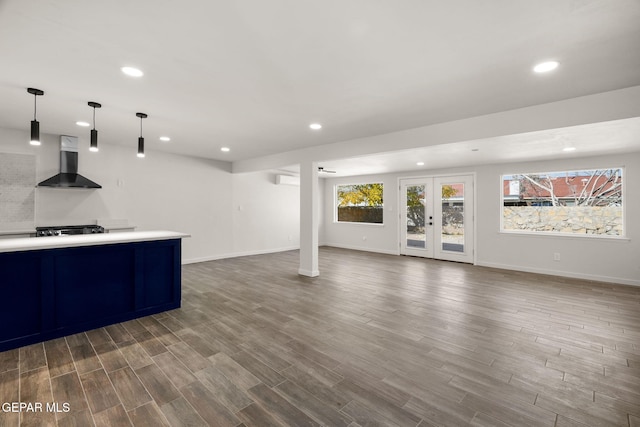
{"type": "Point", "coordinates": [336, 204]}
{"type": "Point", "coordinates": [622, 236]}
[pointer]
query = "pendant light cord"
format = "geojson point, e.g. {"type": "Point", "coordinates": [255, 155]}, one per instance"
{"type": "Point", "coordinates": [140, 127]}
{"type": "Point", "coordinates": [35, 106]}
{"type": "Point", "coordinates": [94, 118]}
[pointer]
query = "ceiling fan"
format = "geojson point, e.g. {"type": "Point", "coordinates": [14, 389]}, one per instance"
{"type": "Point", "coordinates": [323, 170]}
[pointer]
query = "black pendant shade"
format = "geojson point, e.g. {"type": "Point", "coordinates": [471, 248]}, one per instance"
{"type": "Point", "coordinates": [94, 140]}
{"type": "Point", "coordinates": [35, 125]}
{"type": "Point", "coordinates": [141, 138]}
{"type": "Point", "coordinates": [35, 132]}
{"type": "Point", "coordinates": [94, 132]}
{"type": "Point", "coordinates": [140, 147]}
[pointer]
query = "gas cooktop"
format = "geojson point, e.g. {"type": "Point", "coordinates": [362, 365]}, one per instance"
{"type": "Point", "coordinates": [67, 230]}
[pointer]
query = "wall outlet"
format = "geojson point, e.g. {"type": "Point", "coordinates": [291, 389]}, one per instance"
{"type": "Point", "coordinates": [556, 256]}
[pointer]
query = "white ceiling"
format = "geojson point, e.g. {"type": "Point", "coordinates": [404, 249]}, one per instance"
{"type": "Point", "coordinates": [618, 136]}
{"type": "Point", "coordinates": [252, 74]}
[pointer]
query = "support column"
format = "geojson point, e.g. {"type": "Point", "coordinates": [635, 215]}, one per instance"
{"type": "Point", "coordinates": [309, 219]}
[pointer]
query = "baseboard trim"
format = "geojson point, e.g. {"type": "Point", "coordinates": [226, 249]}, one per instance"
{"type": "Point", "coordinates": [358, 248]}
{"type": "Point", "coordinates": [308, 273]}
{"type": "Point", "coordinates": [238, 254]}
{"type": "Point", "coordinates": [568, 274]}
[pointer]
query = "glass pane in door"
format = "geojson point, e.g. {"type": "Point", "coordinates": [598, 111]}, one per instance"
{"type": "Point", "coordinates": [453, 217]}
{"type": "Point", "coordinates": [416, 231]}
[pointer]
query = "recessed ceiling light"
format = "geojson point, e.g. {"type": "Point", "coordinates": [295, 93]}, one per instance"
{"type": "Point", "coordinates": [420, 163]}
{"type": "Point", "coordinates": [545, 67]}
{"type": "Point", "coordinates": [83, 124]}
{"type": "Point", "coordinates": [315, 126]}
{"type": "Point", "coordinates": [165, 138]}
{"type": "Point", "coordinates": [225, 149]}
{"type": "Point", "coordinates": [131, 71]}
{"type": "Point", "coordinates": [567, 149]}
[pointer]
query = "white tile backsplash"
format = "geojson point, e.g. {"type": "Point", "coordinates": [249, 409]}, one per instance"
{"type": "Point", "coordinates": [17, 191]}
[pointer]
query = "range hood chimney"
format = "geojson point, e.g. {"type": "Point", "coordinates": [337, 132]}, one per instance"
{"type": "Point", "coordinates": [68, 176]}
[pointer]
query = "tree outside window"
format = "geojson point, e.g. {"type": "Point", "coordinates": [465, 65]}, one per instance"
{"type": "Point", "coordinates": [416, 207]}
{"type": "Point", "coordinates": [360, 203]}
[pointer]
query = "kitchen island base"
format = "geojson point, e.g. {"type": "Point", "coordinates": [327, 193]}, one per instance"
{"type": "Point", "coordinates": [55, 292]}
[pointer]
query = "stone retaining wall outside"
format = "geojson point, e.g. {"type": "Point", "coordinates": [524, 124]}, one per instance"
{"type": "Point", "coordinates": [605, 220]}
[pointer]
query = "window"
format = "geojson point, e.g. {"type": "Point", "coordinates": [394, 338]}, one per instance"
{"type": "Point", "coordinates": [359, 203]}
{"type": "Point", "coordinates": [586, 202]}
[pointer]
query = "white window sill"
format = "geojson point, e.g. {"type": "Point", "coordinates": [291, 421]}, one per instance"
{"type": "Point", "coordinates": [565, 235]}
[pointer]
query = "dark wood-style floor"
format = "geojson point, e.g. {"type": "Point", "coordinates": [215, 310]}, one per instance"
{"type": "Point", "coordinates": [376, 340]}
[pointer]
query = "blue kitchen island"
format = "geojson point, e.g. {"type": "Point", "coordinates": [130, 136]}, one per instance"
{"type": "Point", "coordinates": [57, 286]}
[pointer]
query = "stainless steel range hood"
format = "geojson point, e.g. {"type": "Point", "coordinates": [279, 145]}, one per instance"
{"type": "Point", "coordinates": [68, 176]}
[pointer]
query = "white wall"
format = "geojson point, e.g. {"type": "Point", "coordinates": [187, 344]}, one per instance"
{"type": "Point", "coordinates": [265, 216]}
{"type": "Point", "coordinates": [166, 191]}
{"type": "Point", "coordinates": [597, 259]}
{"type": "Point", "coordinates": [611, 260]}
{"type": "Point", "coordinates": [369, 237]}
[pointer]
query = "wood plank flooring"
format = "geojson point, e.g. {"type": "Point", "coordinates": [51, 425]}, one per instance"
{"type": "Point", "coordinates": [376, 340]}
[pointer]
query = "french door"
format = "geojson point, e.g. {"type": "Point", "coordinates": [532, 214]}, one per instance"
{"type": "Point", "coordinates": [437, 217]}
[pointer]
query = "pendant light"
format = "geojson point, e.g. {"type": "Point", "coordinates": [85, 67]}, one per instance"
{"type": "Point", "coordinates": [35, 125]}
{"type": "Point", "coordinates": [141, 139]}
{"type": "Point", "coordinates": [94, 132]}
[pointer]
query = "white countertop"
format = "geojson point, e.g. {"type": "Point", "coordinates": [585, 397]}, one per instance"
{"type": "Point", "coordinates": [53, 242]}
